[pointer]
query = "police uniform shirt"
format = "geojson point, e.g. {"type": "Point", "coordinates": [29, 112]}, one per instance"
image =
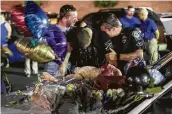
{"type": "Point", "coordinates": [130, 41]}
{"type": "Point", "coordinates": [103, 43]}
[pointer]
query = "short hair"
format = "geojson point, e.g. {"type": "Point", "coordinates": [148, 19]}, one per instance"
{"type": "Point", "coordinates": [144, 11]}
{"type": "Point", "coordinates": [79, 37]}
{"type": "Point", "coordinates": [130, 6]}
{"type": "Point", "coordinates": [82, 38]}
{"type": "Point", "coordinates": [110, 20]}
{"type": "Point", "coordinates": [65, 9]}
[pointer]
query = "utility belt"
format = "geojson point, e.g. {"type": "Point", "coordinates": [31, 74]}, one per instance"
{"type": "Point", "coordinates": [147, 40]}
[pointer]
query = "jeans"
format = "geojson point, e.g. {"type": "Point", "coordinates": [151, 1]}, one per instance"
{"type": "Point", "coordinates": [53, 68]}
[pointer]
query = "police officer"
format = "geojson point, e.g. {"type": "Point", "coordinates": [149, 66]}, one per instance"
{"type": "Point", "coordinates": [115, 48]}
{"type": "Point", "coordinates": [150, 35]}
{"type": "Point", "coordinates": [128, 20]}
{"type": "Point", "coordinates": [128, 46]}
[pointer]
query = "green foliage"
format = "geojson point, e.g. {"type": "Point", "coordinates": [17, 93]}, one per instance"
{"type": "Point", "coordinates": [151, 83]}
{"type": "Point", "coordinates": [105, 4]}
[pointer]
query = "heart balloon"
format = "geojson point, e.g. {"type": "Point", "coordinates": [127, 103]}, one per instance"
{"type": "Point", "coordinates": [57, 41]}
{"type": "Point", "coordinates": [40, 53]}
{"type": "Point", "coordinates": [17, 17]}
{"type": "Point", "coordinates": [36, 20]}
{"type": "Point", "coordinates": [17, 55]}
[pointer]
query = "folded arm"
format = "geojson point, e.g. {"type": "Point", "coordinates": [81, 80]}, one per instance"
{"type": "Point", "coordinates": [132, 55]}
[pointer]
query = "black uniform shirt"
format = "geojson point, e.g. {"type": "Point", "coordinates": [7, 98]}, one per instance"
{"type": "Point", "coordinates": [128, 42]}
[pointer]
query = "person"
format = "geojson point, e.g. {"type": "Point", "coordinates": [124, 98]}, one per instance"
{"type": "Point", "coordinates": [67, 18]}
{"type": "Point", "coordinates": [110, 27]}
{"type": "Point", "coordinates": [5, 36]}
{"type": "Point", "coordinates": [6, 30]}
{"type": "Point", "coordinates": [119, 49]}
{"type": "Point", "coordinates": [128, 20]}
{"type": "Point", "coordinates": [27, 68]}
{"type": "Point", "coordinates": [150, 35]}
{"type": "Point", "coordinates": [17, 33]}
{"type": "Point", "coordinates": [83, 53]}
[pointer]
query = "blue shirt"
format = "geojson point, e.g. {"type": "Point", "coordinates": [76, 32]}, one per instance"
{"type": "Point", "coordinates": [4, 34]}
{"type": "Point", "coordinates": [148, 27]}
{"type": "Point", "coordinates": [130, 22]}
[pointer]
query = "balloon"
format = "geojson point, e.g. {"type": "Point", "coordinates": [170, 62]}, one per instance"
{"type": "Point", "coordinates": [36, 20]}
{"type": "Point", "coordinates": [40, 53]}
{"type": "Point", "coordinates": [17, 17]}
{"type": "Point", "coordinates": [57, 40]}
{"type": "Point", "coordinates": [138, 76]}
{"type": "Point", "coordinates": [156, 75]}
{"type": "Point", "coordinates": [17, 55]}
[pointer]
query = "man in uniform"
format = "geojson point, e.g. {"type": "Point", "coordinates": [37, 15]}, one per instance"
{"type": "Point", "coordinates": [128, 46]}
{"type": "Point", "coordinates": [121, 49]}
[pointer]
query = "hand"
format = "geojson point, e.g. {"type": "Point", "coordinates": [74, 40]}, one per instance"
{"type": "Point", "coordinates": [7, 51]}
{"type": "Point", "coordinates": [112, 57]}
{"type": "Point", "coordinates": [139, 53]}
{"type": "Point", "coordinates": [62, 69]}
{"type": "Point", "coordinates": [48, 77]}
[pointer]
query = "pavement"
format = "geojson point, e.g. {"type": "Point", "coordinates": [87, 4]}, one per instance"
{"type": "Point", "coordinates": [17, 77]}
{"type": "Point", "coordinates": [19, 81]}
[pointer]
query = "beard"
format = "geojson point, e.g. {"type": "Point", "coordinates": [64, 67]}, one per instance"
{"type": "Point", "coordinates": [69, 24]}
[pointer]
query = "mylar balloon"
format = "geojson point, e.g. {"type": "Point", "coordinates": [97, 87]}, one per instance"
{"type": "Point", "coordinates": [138, 76]}
{"type": "Point", "coordinates": [17, 55]}
{"type": "Point", "coordinates": [35, 19]}
{"type": "Point", "coordinates": [17, 17]}
{"type": "Point", "coordinates": [41, 53]}
{"type": "Point", "coordinates": [57, 40]}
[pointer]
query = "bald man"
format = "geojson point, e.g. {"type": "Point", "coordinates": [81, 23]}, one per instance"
{"type": "Point", "coordinates": [150, 35]}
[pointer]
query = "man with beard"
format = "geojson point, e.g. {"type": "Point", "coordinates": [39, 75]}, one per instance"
{"type": "Point", "coordinates": [128, 20]}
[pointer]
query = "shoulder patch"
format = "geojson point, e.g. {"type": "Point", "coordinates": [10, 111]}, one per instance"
{"type": "Point", "coordinates": [136, 35]}
{"type": "Point", "coordinates": [124, 39]}
{"type": "Point", "coordinates": [139, 44]}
